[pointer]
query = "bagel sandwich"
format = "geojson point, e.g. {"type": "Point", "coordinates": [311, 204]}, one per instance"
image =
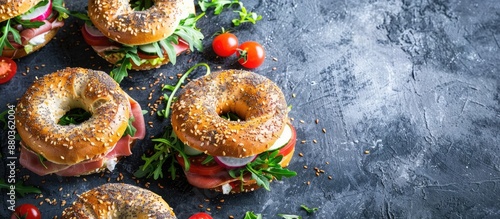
{"type": "Point", "coordinates": [119, 200]}
{"type": "Point", "coordinates": [235, 132]}
{"type": "Point", "coordinates": [29, 25]}
{"type": "Point", "coordinates": [75, 122]}
{"type": "Point", "coordinates": [141, 35]}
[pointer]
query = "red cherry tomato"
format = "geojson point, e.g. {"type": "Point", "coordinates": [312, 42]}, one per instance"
{"type": "Point", "coordinates": [26, 211]}
{"type": "Point", "coordinates": [201, 215]}
{"type": "Point", "coordinates": [197, 167]}
{"type": "Point", "coordinates": [251, 54]}
{"type": "Point", "coordinates": [225, 44]}
{"type": "Point", "coordinates": [285, 150]}
{"type": "Point", "coordinates": [8, 69]}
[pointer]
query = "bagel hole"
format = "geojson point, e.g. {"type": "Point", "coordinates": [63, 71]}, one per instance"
{"type": "Point", "coordinates": [74, 116]}
{"type": "Point", "coordinates": [231, 116]}
{"type": "Point", "coordinates": [138, 5]}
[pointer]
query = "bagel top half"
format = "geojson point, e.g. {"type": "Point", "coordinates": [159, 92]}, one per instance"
{"type": "Point", "coordinates": [119, 22]}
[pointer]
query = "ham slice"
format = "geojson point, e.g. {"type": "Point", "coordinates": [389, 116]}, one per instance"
{"type": "Point", "coordinates": [31, 160]}
{"type": "Point", "coordinates": [30, 33]}
{"type": "Point", "coordinates": [212, 181]}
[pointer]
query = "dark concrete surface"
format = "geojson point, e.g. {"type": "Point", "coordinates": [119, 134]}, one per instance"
{"type": "Point", "coordinates": [406, 91]}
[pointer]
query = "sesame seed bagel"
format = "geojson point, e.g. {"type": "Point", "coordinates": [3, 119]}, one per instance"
{"type": "Point", "coordinates": [14, 8]}
{"type": "Point", "coordinates": [118, 200]}
{"type": "Point", "coordinates": [50, 97]}
{"type": "Point", "coordinates": [258, 102]}
{"type": "Point", "coordinates": [119, 22]}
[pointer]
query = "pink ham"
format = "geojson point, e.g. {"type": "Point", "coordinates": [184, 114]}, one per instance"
{"type": "Point", "coordinates": [211, 181]}
{"type": "Point", "coordinates": [28, 34]}
{"type": "Point", "coordinates": [31, 161]}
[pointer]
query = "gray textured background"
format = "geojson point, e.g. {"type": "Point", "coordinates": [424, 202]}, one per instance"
{"type": "Point", "coordinates": [415, 83]}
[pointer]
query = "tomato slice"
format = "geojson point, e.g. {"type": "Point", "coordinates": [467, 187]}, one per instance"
{"type": "Point", "coordinates": [285, 150]}
{"type": "Point", "coordinates": [8, 69]}
{"type": "Point", "coordinates": [143, 55]}
{"type": "Point", "coordinates": [197, 167]}
{"type": "Point", "coordinates": [96, 41]}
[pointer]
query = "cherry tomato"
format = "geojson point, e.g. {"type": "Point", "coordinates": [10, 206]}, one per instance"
{"type": "Point", "coordinates": [26, 211]}
{"type": "Point", "coordinates": [251, 54]}
{"type": "Point", "coordinates": [197, 167]}
{"type": "Point", "coordinates": [201, 215]}
{"type": "Point", "coordinates": [96, 41]}
{"type": "Point", "coordinates": [225, 44]}
{"type": "Point", "coordinates": [285, 150]}
{"type": "Point", "coordinates": [8, 69]}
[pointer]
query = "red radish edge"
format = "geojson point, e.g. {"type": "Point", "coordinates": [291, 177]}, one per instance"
{"type": "Point", "coordinates": [39, 14]}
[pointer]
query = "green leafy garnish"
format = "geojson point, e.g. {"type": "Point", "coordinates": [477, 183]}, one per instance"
{"type": "Point", "coordinates": [58, 5]}
{"type": "Point", "coordinates": [141, 5]}
{"type": "Point", "coordinates": [186, 30]}
{"type": "Point", "coordinates": [20, 188]}
{"type": "Point", "coordinates": [252, 215]}
{"type": "Point", "coordinates": [246, 17]}
{"type": "Point", "coordinates": [131, 130]}
{"type": "Point", "coordinates": [264, 168]}
{"type": "Point", "coordinates": [166, 112]}
{"type": "Point", "coordinates": [74, 116]}
{"type": "Point", "coordinates": [309, 210]}
{"type": "Point", "coordinates": [42, 160]}
{"type": "Point", "coordinates": [164, 147]}
{"type": "Point", "coordinates": [218, 5]}
{"type": "Point", "coordinates": [6, 30]}
{"type": "Point", "coordinates": [290, 216]}
{"type": "Point", "coordinates": [168, 143]}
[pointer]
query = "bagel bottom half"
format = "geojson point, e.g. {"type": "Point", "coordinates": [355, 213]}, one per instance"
{"type": "Point", "coordinates": [19, 53]}
{"type": "Point", "coordinates": [119, 200]}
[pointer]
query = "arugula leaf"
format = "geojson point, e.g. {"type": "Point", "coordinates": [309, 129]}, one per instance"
{"type": "Point", "coordinates": [128, 53]}
{"type": "Point", "coordinates": [42, 159]}
{"type": "Point", "coordinates": [4, 41]}
{"type": "Point", "coordinates": [130, 130]}
{"type": "Point", "coordinates": [290, 216]}
{"type": "Point", "coordinates": [265, 168]}
{"type": "Point", "coordinates": [27, 24]}
{"type": "Point", "coordinates": [246, 17]}
{"type": "Point", "coordinates": [309, 210]}
{"type": "Point", "coordinates": [166, 112]}
{"type": "Point", "coordinates": [252, 215]}
{"type": "Point", "coordinates": [20, 188]}
{"type": "Point", "coordinates": [74, 116]}
{"type": "Point", "coordinates": [141, 5]}
{"type": "Point", "coordinates": [168, 143]}
{"type": "Point", "coordinates": [218, 5]}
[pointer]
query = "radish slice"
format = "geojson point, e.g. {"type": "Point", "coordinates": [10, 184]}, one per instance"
{"type": "Point", "coordinates": [233, 162]}
{"type": "Point", "coordinates": [39, 14]}
{"type": "Point", "coordinates": [284, 138]}
{"type": "Point", "coordinates": [93, 31]}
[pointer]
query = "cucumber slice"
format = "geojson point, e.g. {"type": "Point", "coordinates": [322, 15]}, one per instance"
{"type": "Point", "coordinates": [148, 48]}
{"type": "Point", "coordinates": [284, 138]}
{"type": "Point", "coordinates": [191, 151]}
